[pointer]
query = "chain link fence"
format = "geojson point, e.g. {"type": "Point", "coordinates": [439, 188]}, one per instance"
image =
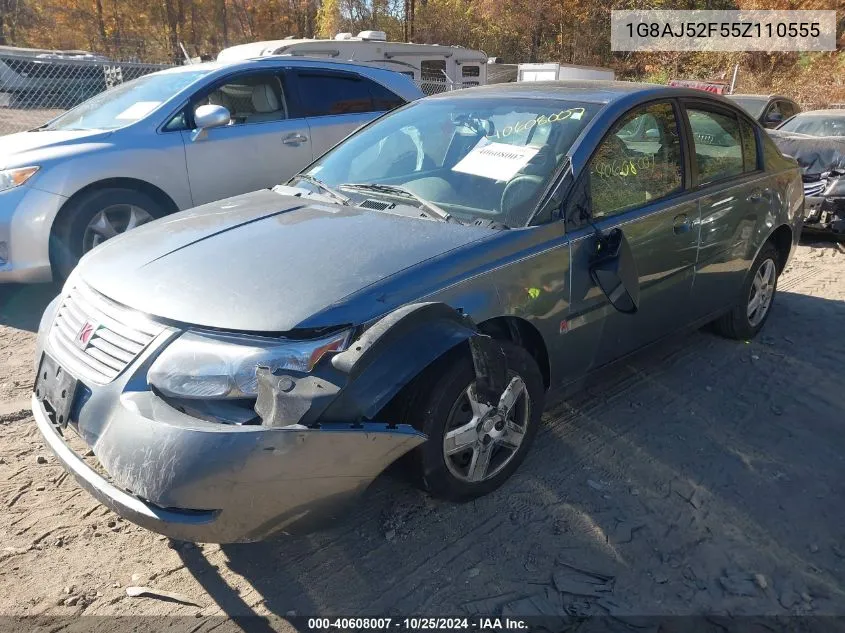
{"type": "Point", "coordinates": [437, 82]}
{"type": "Point", "coordinates": [36, 86]}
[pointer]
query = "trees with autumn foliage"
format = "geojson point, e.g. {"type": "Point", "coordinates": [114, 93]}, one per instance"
{"type": "Point", "coordinates": [571, 31]}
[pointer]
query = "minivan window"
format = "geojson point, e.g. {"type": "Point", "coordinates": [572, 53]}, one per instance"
{"type": "Point", "coordinates": [718, 145]}
{"type": "Point", "coordinates": [637, 162]}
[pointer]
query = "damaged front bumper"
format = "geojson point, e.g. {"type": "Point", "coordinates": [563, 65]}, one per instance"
{"type": "Point", "coordinates": [206, 482]}
{"type": "Point", "coordinates": [825, 215]}
{"type": "Point", "coordinates": [316, 448]}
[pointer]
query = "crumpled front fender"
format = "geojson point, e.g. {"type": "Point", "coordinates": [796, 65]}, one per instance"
{"type": "Point", "coordinates": [353, 386]}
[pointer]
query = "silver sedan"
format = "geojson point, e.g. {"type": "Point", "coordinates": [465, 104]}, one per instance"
{"type": "Point", "coordinates": [169, 141]}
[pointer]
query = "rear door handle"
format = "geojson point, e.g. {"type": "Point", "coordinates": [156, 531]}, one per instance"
{"type": "Point", "coordinates": [294, 139]}
{"type": "Point", "coordinates": [681, 224]}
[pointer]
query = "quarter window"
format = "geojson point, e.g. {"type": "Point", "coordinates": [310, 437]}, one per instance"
{"type": "Point", "coordinates": [638, 162]}
{"type": "Point", "coordinates": [718, 145]}
{"type": "Point", "coordinates": [787, 109]}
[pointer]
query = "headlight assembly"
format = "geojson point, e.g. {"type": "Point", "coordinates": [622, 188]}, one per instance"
{"type": "Point", "coordinates": [836, 187]}
{"type": "Point", "coordinates": [11, 178]}
{"type": "Point", "coordinates": [211, 366]}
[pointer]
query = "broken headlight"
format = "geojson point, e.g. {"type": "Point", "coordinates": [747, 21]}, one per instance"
{"type": "Point", "coordinates": [836, 187]}
{"type": "Point", "coordinates": [209, 366]}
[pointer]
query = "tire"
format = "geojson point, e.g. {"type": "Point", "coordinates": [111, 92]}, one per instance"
{"type": "Point", "coordinates": [738, 323]}
{"type": "Point", "coordinates": [445, 387]}
{"type": "Point", "coordinates": [71, 238]}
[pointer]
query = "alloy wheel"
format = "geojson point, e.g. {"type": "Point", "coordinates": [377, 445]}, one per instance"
{"type": "Point", "coordinates": [111, 221]}
{"type": "Point", "coordinates": [761, 292]}
{"type": "Point", "coordinates": [481, 439]}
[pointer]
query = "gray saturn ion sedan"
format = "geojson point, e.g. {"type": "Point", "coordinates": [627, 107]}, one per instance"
{"type": "Point", "coordinates": [172, 140]}
{"type": "Point", "coordinates": [243, 368]}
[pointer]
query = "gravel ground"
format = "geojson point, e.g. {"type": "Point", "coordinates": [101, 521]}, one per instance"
{"type": "Point", "coordinates": [705, 476]}
{"type": "Point", "coordinates": [15, 120]}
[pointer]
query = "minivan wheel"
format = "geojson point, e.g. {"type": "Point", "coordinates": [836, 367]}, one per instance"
{"type": "Point", "coordinates": [472, 448]}
{"type": "Point", "coordinates": [749, 315]}
{"type": "Point", "coordinates": [93, 218]}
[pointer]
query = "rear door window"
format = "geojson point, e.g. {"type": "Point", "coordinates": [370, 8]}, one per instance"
{"type": "Point", "coordinates": [331, 93]}
{"type": "Point", "coordinates": [383, 99]}
{"type": "Point", "coordinates": [718, 145]}
{"type": "Point", "coordinates": [328, 94]}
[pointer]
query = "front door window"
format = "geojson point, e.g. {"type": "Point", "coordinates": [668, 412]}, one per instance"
{"type": "Point", "coordinates": [639, 161]}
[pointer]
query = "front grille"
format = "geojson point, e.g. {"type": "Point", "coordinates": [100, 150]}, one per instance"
{"type": "Point", "coordinates": [814, 188]}
{"type": "Point", "coordinates": [115, 335]}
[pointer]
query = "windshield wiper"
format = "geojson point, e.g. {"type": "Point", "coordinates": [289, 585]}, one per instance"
{"type": "Point", "coordinates": [432, 209]}
{"type": "Point", "coordinates": [323, 186]}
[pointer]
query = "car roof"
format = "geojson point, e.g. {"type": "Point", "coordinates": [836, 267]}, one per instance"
{"type": "Point", "coordinates": [591, 91]}
{"type": "Point", "coordinates": [761, 97]}
{"type": "Point", "coordinates": [257, 61]}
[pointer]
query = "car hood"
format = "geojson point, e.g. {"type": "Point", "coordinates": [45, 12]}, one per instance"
{"type": "Point", "coordinates": [262, 262]}
{"type": "Point", "coordinates": [815, 154]}
{"type": "Point", "coordinates": [15, 148]}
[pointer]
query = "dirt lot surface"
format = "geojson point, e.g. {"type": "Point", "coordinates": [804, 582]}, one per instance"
{"type": "Point", "coordinates": [705, 476]}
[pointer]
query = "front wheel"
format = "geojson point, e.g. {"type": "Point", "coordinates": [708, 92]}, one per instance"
{"type": "Point", "coordinates": [95, 217]}
{"type": "Point", "coordinates": [473, 447]}
{"type": "Point", "coordinates": [749, 314]}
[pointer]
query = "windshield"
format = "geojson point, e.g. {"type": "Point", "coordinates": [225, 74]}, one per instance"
{"type": "Point", "coordinates": [488, 158]}
{"type": "Point", "coordinates": [815, 125]}
{"type": "Point", "coordinates": [126, 103]}
{"type": "Point", "coordinates": [753, 105]}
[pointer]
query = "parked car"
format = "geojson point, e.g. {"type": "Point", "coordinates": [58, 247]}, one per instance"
{"type": "Point", "coordinates": [243, 368]}
{"type": "Point", "coordinates": [42, 78]}
{"type": "Point", "coordinates": [172, 140]}
{"type": "Point", "coordinates": [769, 110]}
{"type": "Point", "coordinates": [434, 67]}
{"type": "Point", "coordinates": [816, 140]}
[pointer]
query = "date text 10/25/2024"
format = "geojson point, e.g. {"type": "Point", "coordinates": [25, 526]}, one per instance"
{"type": "Point", "coordinates": [417, 624]}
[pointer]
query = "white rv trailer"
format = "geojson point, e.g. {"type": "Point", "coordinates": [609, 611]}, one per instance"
{"type": "Point", "coordinates": [433, 67]}
{"type": "Point", "coordinates": [554, 71]}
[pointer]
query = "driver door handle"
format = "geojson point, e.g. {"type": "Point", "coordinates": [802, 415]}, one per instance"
{"type": "Point", "coordinates": [294, 138]}
{"type": "Point", "coordinates": [681, 224]}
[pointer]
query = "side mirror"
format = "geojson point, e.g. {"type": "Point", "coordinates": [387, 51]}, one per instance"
{"type": "Point", "coordinates": [613, 269]}
{"type": "Point", "coordinates": [207, 117]}
{"type": "Point", "coordinates": [652, 134]}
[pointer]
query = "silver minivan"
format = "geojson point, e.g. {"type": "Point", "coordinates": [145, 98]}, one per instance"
{"type": "Point", "coordinates": [173, 140]}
